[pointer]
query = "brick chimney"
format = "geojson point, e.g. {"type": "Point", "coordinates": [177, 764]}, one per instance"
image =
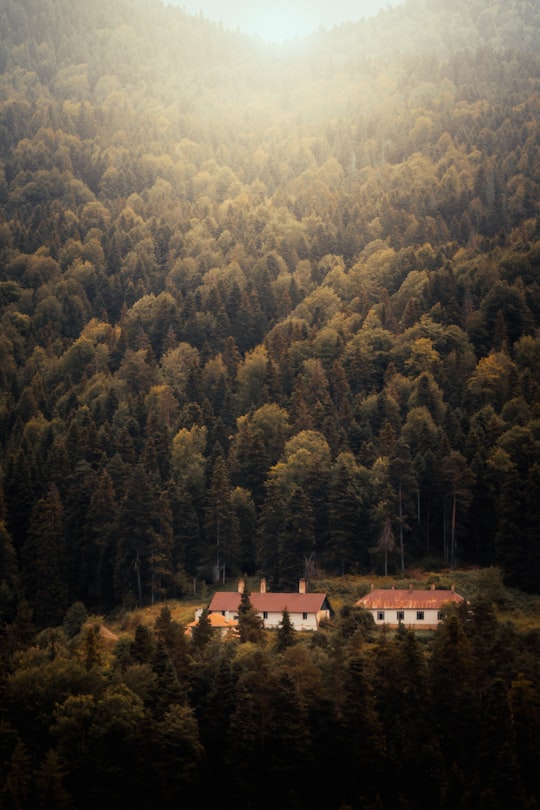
{"type": "Point", "coordinates": [263, 585]}
{"type": "Point", "coordinates": [302, 586]}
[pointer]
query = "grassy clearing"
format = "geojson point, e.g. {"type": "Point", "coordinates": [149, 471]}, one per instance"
{"type": "Point", "coordinates": [522, 609]}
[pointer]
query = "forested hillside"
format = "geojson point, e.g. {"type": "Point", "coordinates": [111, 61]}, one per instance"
{"type": "Point", "coordinates": [270, 311]}
{"type": "Point", "coordinates": [265, 308]}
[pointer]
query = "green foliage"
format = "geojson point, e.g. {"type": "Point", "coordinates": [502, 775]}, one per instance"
{"type": "Point", "coordinates": [9, 575]}
{"type": "Point", "coordinates": [202, 632]}
{"type": "Point", "coordinates": [286, 632]}
{"type": "Point", "coordinates": [250, 624]}
{"type": "Point", "coordinates": [75, 617]}
{"type": "Point", "coordinates": [339, 291]}
{"type": "Point", "coordinates": [381, 706]}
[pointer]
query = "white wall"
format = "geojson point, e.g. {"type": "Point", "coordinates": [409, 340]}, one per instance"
{"type": "Point", "coordinates": [431, 617]}
{"type": "Point", "coordinates": [273, 620]}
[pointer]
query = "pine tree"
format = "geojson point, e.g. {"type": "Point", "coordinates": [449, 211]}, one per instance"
{"type": "Point", "coordinates": [348, 518]}
{"type": "Point", "coordinates": [168, 690]}
{"type": "Point", "coordinates": [143, 644]}
{"type": "Point", "coordinates": [202, 632]}
{"type": "Point", "coordinates": [43, 560]}
{"type": "Point", "coordinates": [161, 568]}
{"type": "Point", "coordinates": [136, 525]}
{"type": "Point", "coordinates": [9, 574]}
{"type": "Point", "coordinates": [360, 739]}
{"type": "Point", "coordinates": [286, 632]}
{"type": "Point", "coordinates": [453, 690]}
{"type": "Point", "coordinates": [170, 633]}
{"type": "Point", "coordinates": [250, 624]}
{"type": "Point", "coordinates": [297, 538]}
{"type": "Point", "coordinates": [220, 524]}
{"type": "Point", "coordinates": [18, 786]}
{"type": "Point", "coordinates": [178, 756]}
{"type": "Point", "coordinates": [19, 496]}
{"type": "Point", "coordinates": [525, 710]}
{"type": "Point", "coordinates": [100, 537]}
{"type": "Point", "coordinates": [50, 788]}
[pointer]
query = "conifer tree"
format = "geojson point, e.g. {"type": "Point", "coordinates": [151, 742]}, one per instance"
{"type": "Point", "coordinates": [202, 632]}
{"type": "Point", "coordinates": [250, 624]}
{"type": "Point", "coordinates": [100, 533]}
{"type": "Point", "coordinates": [143, 644]}
{"type": "Point", "coordinates": [50, 788]}
{"type": "Point", "coordinates": [18, 786]}
{"type": "Point", "coordinates": [136, 525]}
{"type": "Point", "coordinates": [9, 579]}
{"type": "Point", "coordinates": [43, 560]}
{"type": "Point", "coordinates": [168, 690]}
{"type": "Point", "coordinates": [297, 538]}
{"type": "Point", "coordinates": [453, 690]}
{"type": "Point", "coordinates": [220, 523]}
{"type": "Point", "coordinates": [178, 756]}
{"type": "Point", "coordinates": [286, 632]}
{"type": "Point", "coordinates": [348, 518]}
{"type": "Point", "coordinates": [171, 634]}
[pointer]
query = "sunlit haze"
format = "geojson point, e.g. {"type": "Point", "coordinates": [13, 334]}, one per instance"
{"type": "Point", "coordinates": [280, 20]}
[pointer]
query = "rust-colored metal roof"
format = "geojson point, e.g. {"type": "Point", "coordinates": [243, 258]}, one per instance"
{"type": "Point", "coordinates": [392, 598]}
{"type": "Point", "coordinates": [270, 602]}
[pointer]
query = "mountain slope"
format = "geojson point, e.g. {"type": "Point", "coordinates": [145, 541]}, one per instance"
{"type": "Point", "coordinates": [256, 302]}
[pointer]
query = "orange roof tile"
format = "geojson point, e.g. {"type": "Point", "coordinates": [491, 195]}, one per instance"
{"type": "Point", "coordinates": [217, 620]}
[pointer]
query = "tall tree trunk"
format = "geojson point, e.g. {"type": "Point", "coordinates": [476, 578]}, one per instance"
{"type": "Point", "coordinates": [139, 581]}
{"type": "Point", "coordinates": [401, 544]}
{"type": "Point", "coordinates": [453, 534]}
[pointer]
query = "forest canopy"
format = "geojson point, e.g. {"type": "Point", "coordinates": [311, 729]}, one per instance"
{"type": "Point", "coordinates": [256, 302]}
{"type": "Point", "coordinates": [268, 311]}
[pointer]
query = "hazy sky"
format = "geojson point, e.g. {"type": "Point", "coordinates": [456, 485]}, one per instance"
{"type": "Point", "coordinates": [278, 20]}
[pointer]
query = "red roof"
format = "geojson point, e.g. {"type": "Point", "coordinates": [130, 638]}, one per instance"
{"type": "Point", "coordinates": [271, 602]}
{"type": "Point", "coordinates": [389, 598]}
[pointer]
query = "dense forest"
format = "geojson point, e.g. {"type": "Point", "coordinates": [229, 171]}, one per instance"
{"type": "Point", "coordinates": [259, 303]}
{"type": "Point", "coordinates": [346, 718]}
{"type": "Point", "coordinates": [273, 311]}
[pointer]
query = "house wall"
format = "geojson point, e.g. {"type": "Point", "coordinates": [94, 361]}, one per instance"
{"type": "Point", "coordinates": [410, 618]}
{"type": "Point", "coordinates": [273, 620]}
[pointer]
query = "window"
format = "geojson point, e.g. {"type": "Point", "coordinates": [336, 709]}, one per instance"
{"type": "Point", "coordinates": [419, 615]}
{"type": "Point", "coordinates": [265, 614]}
{"type": "Point", "coordinates": [439, 615]}
{"type": "Point", "coordinates": [304, 616]}
{"type": "Point", "coordinates": [400, 615]}
{"type": "Point", "coordinates": [380, 615]}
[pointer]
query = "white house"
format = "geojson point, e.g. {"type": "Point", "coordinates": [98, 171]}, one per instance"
{"type": "Point", "coordinates": [413, 608]}
{"type": "Point", "coordinates": [305, 609]}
